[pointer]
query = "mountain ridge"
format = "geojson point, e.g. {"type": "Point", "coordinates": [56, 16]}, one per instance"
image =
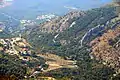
{"type": "Point", "coordinates": [67, 45]}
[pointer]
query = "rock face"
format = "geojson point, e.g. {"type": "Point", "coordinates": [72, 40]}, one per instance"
{"type": "Point", "coordinates": [61, 23]}
{"type": "Point", "coordinates": [107, 48]}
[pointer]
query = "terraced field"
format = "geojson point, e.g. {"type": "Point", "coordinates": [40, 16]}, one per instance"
{"type": "Point", "coordinates": [56, 62]}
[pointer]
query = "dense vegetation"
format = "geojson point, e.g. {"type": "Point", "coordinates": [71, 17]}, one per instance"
{"type": "Point", "coordinates": [71, 47]}
{"type": "Point", "coordinates": [73, 35]}
{"type": "Point", "coordinates": [11, 65]}
{"type": "Point", "coordinates": [67, 45]}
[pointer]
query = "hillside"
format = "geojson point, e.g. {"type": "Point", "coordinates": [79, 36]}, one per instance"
{"type": "Point", "coordinates": [19, 51]}
{"type": "Point", "coordinates": [11, 66]}
{"type": "Point", "coordinates": [61, 23]}
{"type": "Point", "coordinates": [81, 45]}
{"type": "Point", "coordinates": [48, 36]}
{"type": "Point", "coordinates": [106, 48]}
{"type": "Point", "coordinates": [71, 41]}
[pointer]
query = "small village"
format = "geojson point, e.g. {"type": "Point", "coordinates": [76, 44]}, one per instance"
{"type": "Point", "coordinates": [15, 46]}
{"type": "Point", "coordinates": [19, 47]}
{"type": "Point", "coordinates": [46, 17]}
{"type": "Point", "coordinates": [27, 22]}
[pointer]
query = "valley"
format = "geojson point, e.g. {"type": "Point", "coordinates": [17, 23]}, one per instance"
{"type": "Point", "coordinates": [24, 52]}
{"type": "Point", "coordinates": [79, 45]}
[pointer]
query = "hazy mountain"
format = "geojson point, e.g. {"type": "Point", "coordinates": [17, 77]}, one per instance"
{"type": "Point", "coordinates": [26, 8]}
